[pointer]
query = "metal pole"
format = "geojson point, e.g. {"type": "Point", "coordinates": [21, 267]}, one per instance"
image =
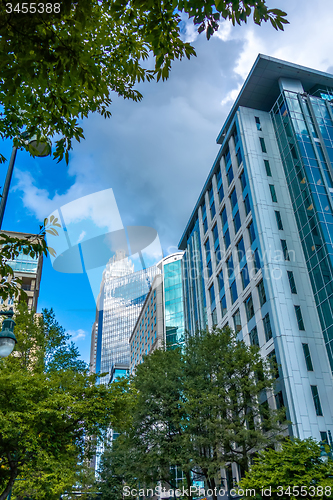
{"type": "Point", "coordinates": [7, 184]}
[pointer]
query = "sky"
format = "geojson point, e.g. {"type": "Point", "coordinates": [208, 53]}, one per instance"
{"type": "Point", "coordinates": [154, 156]}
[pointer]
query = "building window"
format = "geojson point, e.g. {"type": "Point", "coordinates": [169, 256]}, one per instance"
{"type": "Point", "coordinates": [323, 437]}
{"type": "Point", "coordinates": [292, 282]}
{"type": "Point", "coordinates": [245, 276]}
{"type": "Point", "coordinates": [257, 122]}
{"type": "Point", "coordinates": [219, 185]}
{"type": "Point", "coordinates": [254, 339]}
{"type": "Point", "coordinates": [273, 193]}
{"type": "Point", "coordinates": [268, 168]}
{"type": "Point", "coordinates": [261, 293]}
{"type": "Point", "coordinates": [220, 281]}
{"type": "Point", "coordinates": [285, 249]}
{"type": "Point", "coordinates": [208, 258]}
{"type": "Point", "coordinates": [237, 321]}
{"type": "Point", "coordinates": [299, 317]}
{"type": "Point", "coordinates": [247, 205]}
{"type": "Point", "coordinates": [307, 357]}
{"type": "Point", "coordinates": [227, 155]}
{"type": "Point", "coordinates": [230, 175]}
{"type": "Point", "coordinates": [226, 238]}
{"type": "Point", "coordinates": [279, 400]}
{"type": "Point", "coordinates": [212, 211]}
{"type": "Point", "coordinates": [273, 363]}
{"type": "Point", "coordinates": [233, 292]}
{"type": "Point", "coordinates": [240, 249]}
{"type": "Point", "coordinates": [278, 220]}
{"type": "Point", "coordinates": [233, 199]}
{"type": "Point", "coordinates": [211, 202]}
{"type": "Point", "coordinates": [237, 222]}
{"type": "Point", "coordinates": [224, 217]}
{"type": "Point", "coordinates": [212, 297]}
{"type": "Point", "coordinates": [267, 327]}
{"type": "Point", "coordinates": [235, 135]}
{"type": "Point", "coordinates": [204, 218]}
{"type": "Point", "coordinates": [230, 268]}
{"type": "Point", "coordinates": [243, 180]}
{"type": "Point", "coordinates": [263, 145]}
{"type": "Point", "coordinates": [252, 233]}
{"type": "Point", "coordinates": [223, 306]}
{"type": "Point", "coordinates": [256, 260]}
{"type": "Point", "coordinates": [316, 400]}
{"type": "Point", "coordinates": [215, 235]}
{"type": "Point", "coordinates": [249, 307]}
{"type": "Point", "coordinates": [239, 157]}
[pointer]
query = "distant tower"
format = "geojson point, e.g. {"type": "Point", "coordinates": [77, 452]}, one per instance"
{"type": "Point", "coordinates": [122, 295]}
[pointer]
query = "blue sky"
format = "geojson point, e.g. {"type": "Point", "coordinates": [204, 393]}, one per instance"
{"type": "Point", "coordinates": [155, 155]}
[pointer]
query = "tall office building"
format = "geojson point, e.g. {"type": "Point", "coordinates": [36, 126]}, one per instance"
{"type": "Point", "coordinates": [161, 323]}
{"type": "Point", "coordinates": [122, 295]}
{"type": "Point", "coordinates": [259, 243]}
{"type": "Point", "coordinates": [29, 271]}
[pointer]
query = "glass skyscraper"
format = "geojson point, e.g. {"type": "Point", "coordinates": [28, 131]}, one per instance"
{"type": "Point", "coordinates": [259, 243]}
{"type": "Point", "coordinates": [122, 295]}
{"type": "Point", "coordinates": [161, 323]}
{"type": "Point", "coordinates": [173, 302]}
{"type": "Point", "coordinates": [303, 125]}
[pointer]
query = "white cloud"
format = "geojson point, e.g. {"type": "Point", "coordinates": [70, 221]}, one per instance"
{"type": "Point", "coordinates": [156, 154]}
{"type": "Point", "coordinates": [77, 334]}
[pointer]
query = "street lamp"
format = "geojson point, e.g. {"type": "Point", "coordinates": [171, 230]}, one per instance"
{"type": "Point", "coordinates": [7, 337]}
{"type": "Point", "coordinates": [42, 148]}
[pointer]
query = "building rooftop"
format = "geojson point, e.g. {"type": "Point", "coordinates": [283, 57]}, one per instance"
{"type": "Point", "coordinates": [259, 91]}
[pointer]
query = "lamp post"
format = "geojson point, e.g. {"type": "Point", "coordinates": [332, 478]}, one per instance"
{"type": "Point", "coordinates": [7, 337]}
{"type": "Point", "coordinates": [42, 148]}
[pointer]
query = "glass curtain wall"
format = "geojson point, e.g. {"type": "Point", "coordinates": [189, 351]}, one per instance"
{"type": "Point", "coordinates": [173, 303]}
{"type": "Point", "coordinates": [193, 286]}
{"type": "Point", "coordinates": [304, 129]}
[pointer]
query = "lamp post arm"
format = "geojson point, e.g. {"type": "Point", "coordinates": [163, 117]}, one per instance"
{"type": "Point", "coordinates": [7, 184]}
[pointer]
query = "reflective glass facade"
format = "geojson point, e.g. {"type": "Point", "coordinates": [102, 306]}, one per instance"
{"type": "Point", "coordinates": [122, 298]}
{"type": "Point", "coordinates": [304, 130]}
{"type": "Point", "coordinates": [194, 291]}
{"type": "Point", "coordinates": [173, 304]}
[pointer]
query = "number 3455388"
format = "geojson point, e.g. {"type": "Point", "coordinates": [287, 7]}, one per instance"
{"type": "Point", "coordinates": [32, 8]}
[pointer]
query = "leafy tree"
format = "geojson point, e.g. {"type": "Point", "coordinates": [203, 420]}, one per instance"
{"type": "Point", "coordinates": [197, 409]}
{"type": "Point", "coordinates": [152, 438]}
{"type": "Point", "coordinates": [226, 388]}
{"type": "Point", "coordinates": [296, 469]}
{"type": "Point", "coordinates": [116, 469]}
{"type": "Point", "coordinates": [62, 64]}
{"type": "Point", "coordinates": [51, 411]}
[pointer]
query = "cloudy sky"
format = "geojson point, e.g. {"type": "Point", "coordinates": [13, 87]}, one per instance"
{"type": "Point", "coordinates": [155, 155]}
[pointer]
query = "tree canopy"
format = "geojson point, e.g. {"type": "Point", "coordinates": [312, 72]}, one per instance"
{"type": "Point", "coordinates": [51, 411]}
{"type": "Point", "coordinates": [63, 63]}
{"type": "Point", "coordinates": [194, 410]}
{"type": "Point", "coordinates": [294, 471]}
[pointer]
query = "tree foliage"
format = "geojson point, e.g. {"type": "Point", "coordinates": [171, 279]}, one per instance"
{"type": "Point", "coordinates": [59, 66]}
{"type": "Point", "coordinates": [51, 410]}
{"type": "Point", "coordinates": [197, 409]}
{"type": "Point", "coordinates": [297, 464]}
